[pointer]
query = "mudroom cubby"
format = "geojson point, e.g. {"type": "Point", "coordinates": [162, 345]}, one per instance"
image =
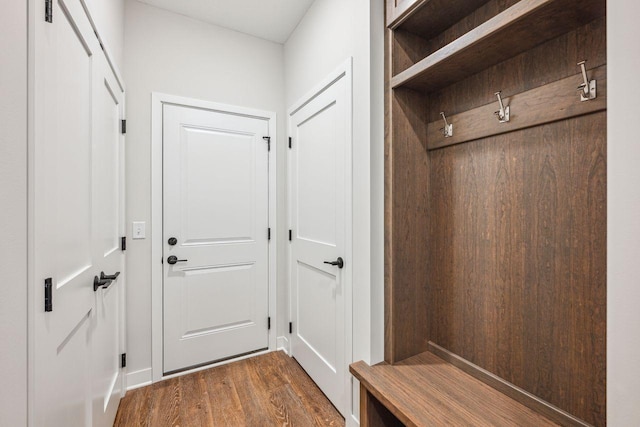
{"type": "Point", "coordinates": [495, 215]}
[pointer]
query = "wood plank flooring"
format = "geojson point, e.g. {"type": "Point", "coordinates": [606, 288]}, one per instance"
{"type": "Point", "coordinates": [267, 390]}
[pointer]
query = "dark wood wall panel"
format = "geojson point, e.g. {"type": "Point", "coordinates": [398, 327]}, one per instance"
{"type": "Point", "coordinates": [549, 62]}
{"type": "Point", "coordinates": [495, 249]}
{"type": "Point", "coordinates": [517, 278]}
{"type": "Point", "coordinates": [407, 224]}
{"type": "Point", "coordinates": [406, 221]}
{"type": "Point", "coordinates": [468, 23]}
{"type": "Point", "coordinates": [517, 237]}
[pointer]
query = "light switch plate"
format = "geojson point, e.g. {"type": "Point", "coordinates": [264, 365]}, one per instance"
{"type": "Point", "coordinates": [138, 230]}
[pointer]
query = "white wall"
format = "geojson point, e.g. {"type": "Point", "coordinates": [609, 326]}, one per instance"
{"type": "Point", "coordinates": [623, 215]}
{"type": "Point", "coordinates": [173, 54]}
{"type": "Point", "coordinates": [13, 202]}
{"type": "Point", "coordinates": [331, 32]}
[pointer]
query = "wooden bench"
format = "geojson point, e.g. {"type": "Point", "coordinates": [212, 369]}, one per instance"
{"type": "Point", "coordinates": [425, 390]}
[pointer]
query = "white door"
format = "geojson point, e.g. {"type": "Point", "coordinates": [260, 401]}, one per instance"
{"type": "Point", "coordinates": [76, 206]}
{"type": "Point", "coordinates": [319, 179]}
{"type": "Point", "coordinates": [107, 335]}
{"type": "Point", "coordinates": [215, 236]}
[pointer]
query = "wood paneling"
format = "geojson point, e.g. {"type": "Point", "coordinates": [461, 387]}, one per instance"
{"type": "Point", "coordinates": [549, 103]}
{"type": "Point", "coordinates": [519, 28]}
{"type": "Point", "coordinates": [373, 413]}
{"type": "Point", "coordinates": [495, 249]}
{"type": "Point", "coordinates": [424, 390]}
{"type": "Point", "coordinates": [406, 224]}
{"type": "Point", "coordinates": [267, 390]}
{"type": "Point", "coordinates": [517, 277]}
{"type": "Point", "coordinates": [527, 399]}
{"type": "Point", "coordinates": [425, 31]}
{"type": "Point", "coordinates": [517, 284]}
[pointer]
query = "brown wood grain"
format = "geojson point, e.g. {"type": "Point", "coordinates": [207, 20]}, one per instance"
{"type": "Point", "coordinates": [549, 103]}
{"type": "Point", "coordinates": [406, 225]}
{"type": "Point", "coordinates": [373, 413]}
{"type": "Point", "coordinates": [428, 17]}
{"type": "Point", "coordinates": [421, 34]}
{"type": "Point", "coordinates": [405, 222]}
{"type": "Point", "coordinates": [267, 390]}
{"type": "Point", "coordinates": [519, 284]}
{"type": "Point", "coordinates": [424, 390]}
{"type": "Point", "coordinates": [515, 253]}
{"type": "Point", "coordinates": [521, 27]}
{"type": "Point", "coordinates": [527, 399]}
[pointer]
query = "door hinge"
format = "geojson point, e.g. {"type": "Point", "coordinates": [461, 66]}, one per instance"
{"type": "Point", "coordinates": [123, 126]}
{"type": "Point", "coordinates": [268, 139]}
{"type": "Point", "coordinates": [289, 142]}
{"type": "Point", "coordinates": [123, 243]}
{"type": "Point", "coordinates": [269, 323]}
{"type": "Point", "coordinates": [290, 235]}
{"type": "Point", "coordinates": [269, 233]}
{"type": "Point", "coordinates": [123, 360]}
{"type": "Point", "coordinates": [290, 327]}
{"type": "Point", "coordinates": [48, 11]}
{"type": "Point", "coordinates": [48, 294]}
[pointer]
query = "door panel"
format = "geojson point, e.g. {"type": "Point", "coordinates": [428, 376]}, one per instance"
{"type": "Point", "coordinates": [317, 165]}
{"type": "Point", "coordinates": [66, 158]}
{"type": "Point", "coordinates": [319, 210]}
{"type": "Point", "coordinates": [319, 302]}
{"type": "Point", "coordinates": [216, 206]}
{"type": "Point", "coordinates": [63, 222]}
{"type": "Point", "coordinates": [108, 165]}
{"type": "Point", "coordinates": [77, 217]}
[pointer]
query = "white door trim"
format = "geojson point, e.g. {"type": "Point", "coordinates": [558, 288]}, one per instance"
{"type": "Point", "coordinates": [345, 70]}
{"type": "Point", "coordinates": [157, 100]}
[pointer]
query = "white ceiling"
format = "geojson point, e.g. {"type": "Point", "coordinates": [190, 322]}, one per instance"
{"type": "Point", "coordinates": [272, 20]}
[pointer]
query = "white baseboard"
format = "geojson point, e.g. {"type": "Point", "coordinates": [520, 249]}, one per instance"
{"type": "Point", "coordinates": [138, 379]}
{"type": "Point", "coordinates": [283, 344]}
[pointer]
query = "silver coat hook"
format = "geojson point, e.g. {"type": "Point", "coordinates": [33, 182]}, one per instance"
{"type": "Point", "coordinates": [503, 113]}
{"type": "Point", "coordinates": [588, 87]}
{"type": "Point", "coordinates": [447, 130]}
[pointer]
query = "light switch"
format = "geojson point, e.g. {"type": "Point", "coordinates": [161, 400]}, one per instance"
{"type": "Point", "coordinates": [139, 230]}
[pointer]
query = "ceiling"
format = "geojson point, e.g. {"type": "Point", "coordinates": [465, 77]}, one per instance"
{"type": "Point", "coordinates": [272, 20]}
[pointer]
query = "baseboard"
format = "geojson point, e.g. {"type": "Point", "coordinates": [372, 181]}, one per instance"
{"type": "Point", "coordinates": [283, 344]}
{"type": "Point", "coordinates": [139, 378]}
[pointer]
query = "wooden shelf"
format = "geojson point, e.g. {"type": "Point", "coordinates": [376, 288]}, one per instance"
{"type": "Point", "coordinates": [426, 390]}
{"type": "Point", "coordinates": [519, 28]}
{"type": "Point", "coordinates": [428, 18]}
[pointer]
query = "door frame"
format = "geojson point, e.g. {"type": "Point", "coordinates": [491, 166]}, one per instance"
{"type": "Point", "coordinates": [157, 101]}
{"type": "Point", "coordinates": [343, 71]}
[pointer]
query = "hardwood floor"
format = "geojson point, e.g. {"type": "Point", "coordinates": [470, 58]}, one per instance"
{"type": "Point", "coordinates": [267, 390]}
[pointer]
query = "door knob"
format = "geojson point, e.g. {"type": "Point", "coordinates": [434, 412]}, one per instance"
{"type": "Point", "coordinates": [172, 241]}
{"type": "Point", "coordinates": [173, 259]}
{"type": "Point", "coordinates": [97, 282]}
{"type": "Point", "coordinates": [339, 262]}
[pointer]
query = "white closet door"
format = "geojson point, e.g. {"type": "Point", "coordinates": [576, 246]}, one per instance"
{"type": "Point", "coordinates": [319, 172]}
{"type": "Point", "coordinates": [76, 210]}
{"type": "Point", "coordinates": [108, 205]}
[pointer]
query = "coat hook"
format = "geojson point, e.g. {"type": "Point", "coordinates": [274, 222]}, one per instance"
{"type": "Point", "coordinates": [447, 130]}
{"type": "Point", "coordinates": [503, 114]}
{"type": "Point", "coordinates": [588, 88]}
